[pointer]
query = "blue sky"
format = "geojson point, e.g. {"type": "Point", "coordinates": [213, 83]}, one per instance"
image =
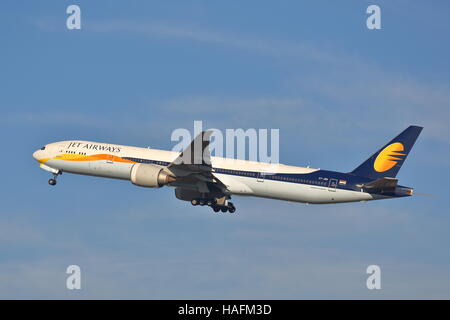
{"type": "Point", "coordinates": [137, 70]}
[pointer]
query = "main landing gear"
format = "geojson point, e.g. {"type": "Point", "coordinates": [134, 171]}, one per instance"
{"type": "Point", "coordinates": [226, 206]}
{"type": "Point", "coordinates": [52, 181]}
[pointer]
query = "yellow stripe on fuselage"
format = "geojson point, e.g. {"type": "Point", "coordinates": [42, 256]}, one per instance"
{"type": "Point", "coordinates": [80, 157]}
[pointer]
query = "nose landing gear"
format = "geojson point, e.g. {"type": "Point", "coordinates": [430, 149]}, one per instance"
{"type": "Point", "coordinates": [52, 181]}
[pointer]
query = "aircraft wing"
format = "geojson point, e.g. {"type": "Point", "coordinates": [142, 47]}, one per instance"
{"type": "Point", "coordinates": [196, 156]}
{"type": "Point", "coordinates": [193, 166]}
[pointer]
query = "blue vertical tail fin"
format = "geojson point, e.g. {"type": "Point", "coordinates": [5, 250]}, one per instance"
{"type": "Point", "coordinates": [387, 161]}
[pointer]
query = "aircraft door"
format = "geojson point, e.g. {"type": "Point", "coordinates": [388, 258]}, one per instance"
{"type": "Point", "coordinates": [333, 184]}
{"type": "Point", "coordinates": [260, 176]}
{"type": "Point", "coordinates": [110, 159]}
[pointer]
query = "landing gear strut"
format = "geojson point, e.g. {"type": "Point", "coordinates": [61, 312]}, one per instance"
{"type": "Point", "coordinates": [217, 206]}
{"type": "Point", "coordinates": [52, 181]}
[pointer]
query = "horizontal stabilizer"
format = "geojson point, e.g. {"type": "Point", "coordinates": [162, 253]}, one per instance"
{"type": "Point", "coordinates": [382, 183]}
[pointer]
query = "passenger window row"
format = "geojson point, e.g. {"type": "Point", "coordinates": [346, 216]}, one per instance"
{"type": "Point", "coordinates": [73, 152]}
{"type": "Point", "coordinates": [291, 179]}
{"type": "Point", "coordinates": [237, 172]}
{"type": "Point", "coordinates": [139, 160]}
{"type": "Point", "coordinates": [271, 177]}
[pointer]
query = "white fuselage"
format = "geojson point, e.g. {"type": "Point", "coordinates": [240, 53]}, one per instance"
{"type": "Point", "coordinates": [245, 178]}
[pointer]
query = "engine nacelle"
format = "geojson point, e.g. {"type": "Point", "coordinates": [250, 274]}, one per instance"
{"type": "Point", "coordinates": [149, 175]}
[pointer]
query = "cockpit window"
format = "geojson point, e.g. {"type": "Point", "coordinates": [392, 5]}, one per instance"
{"type": "Point", "coordinates": [43, 148]}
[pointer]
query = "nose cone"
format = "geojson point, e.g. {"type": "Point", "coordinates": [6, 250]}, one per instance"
{"type": "Point", "coordinates": [37, 155]}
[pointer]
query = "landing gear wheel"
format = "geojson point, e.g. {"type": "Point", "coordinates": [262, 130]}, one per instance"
{"type": "Point", "coordinates": [224, 209]}
{"type": "Point", "coordinates": [194, 202]}
{"type": "Point", "coordinates": [201, 202]}
{"type": "Point", "coordinates": [216, 209]}
{"type": "Point", "coordinates": [231, 207]}
{"type": "Point", "coordinates": [52, 181]}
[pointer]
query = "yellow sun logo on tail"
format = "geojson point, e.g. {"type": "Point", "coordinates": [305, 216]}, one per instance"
{"type": "Point", "coordinates": [389, 157]}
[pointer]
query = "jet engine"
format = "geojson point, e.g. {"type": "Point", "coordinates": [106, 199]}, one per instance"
{"type": "Point", "coordinates": [149, 175]}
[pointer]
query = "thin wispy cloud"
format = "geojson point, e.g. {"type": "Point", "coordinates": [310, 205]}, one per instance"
{"type": "Point", "coordinates": [354, 81]}
{"type": "Point", "coordinates": [207, 35]}
{"type": "Point", "coordinates": [174, 31]}
{"type": "Point", "coordinates": [292, 255]}
{"type": "Point", "coordinates": [353, 85]}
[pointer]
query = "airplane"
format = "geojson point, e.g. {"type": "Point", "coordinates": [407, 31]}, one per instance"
{"type": "Point", "coordinates": [203, 179]}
